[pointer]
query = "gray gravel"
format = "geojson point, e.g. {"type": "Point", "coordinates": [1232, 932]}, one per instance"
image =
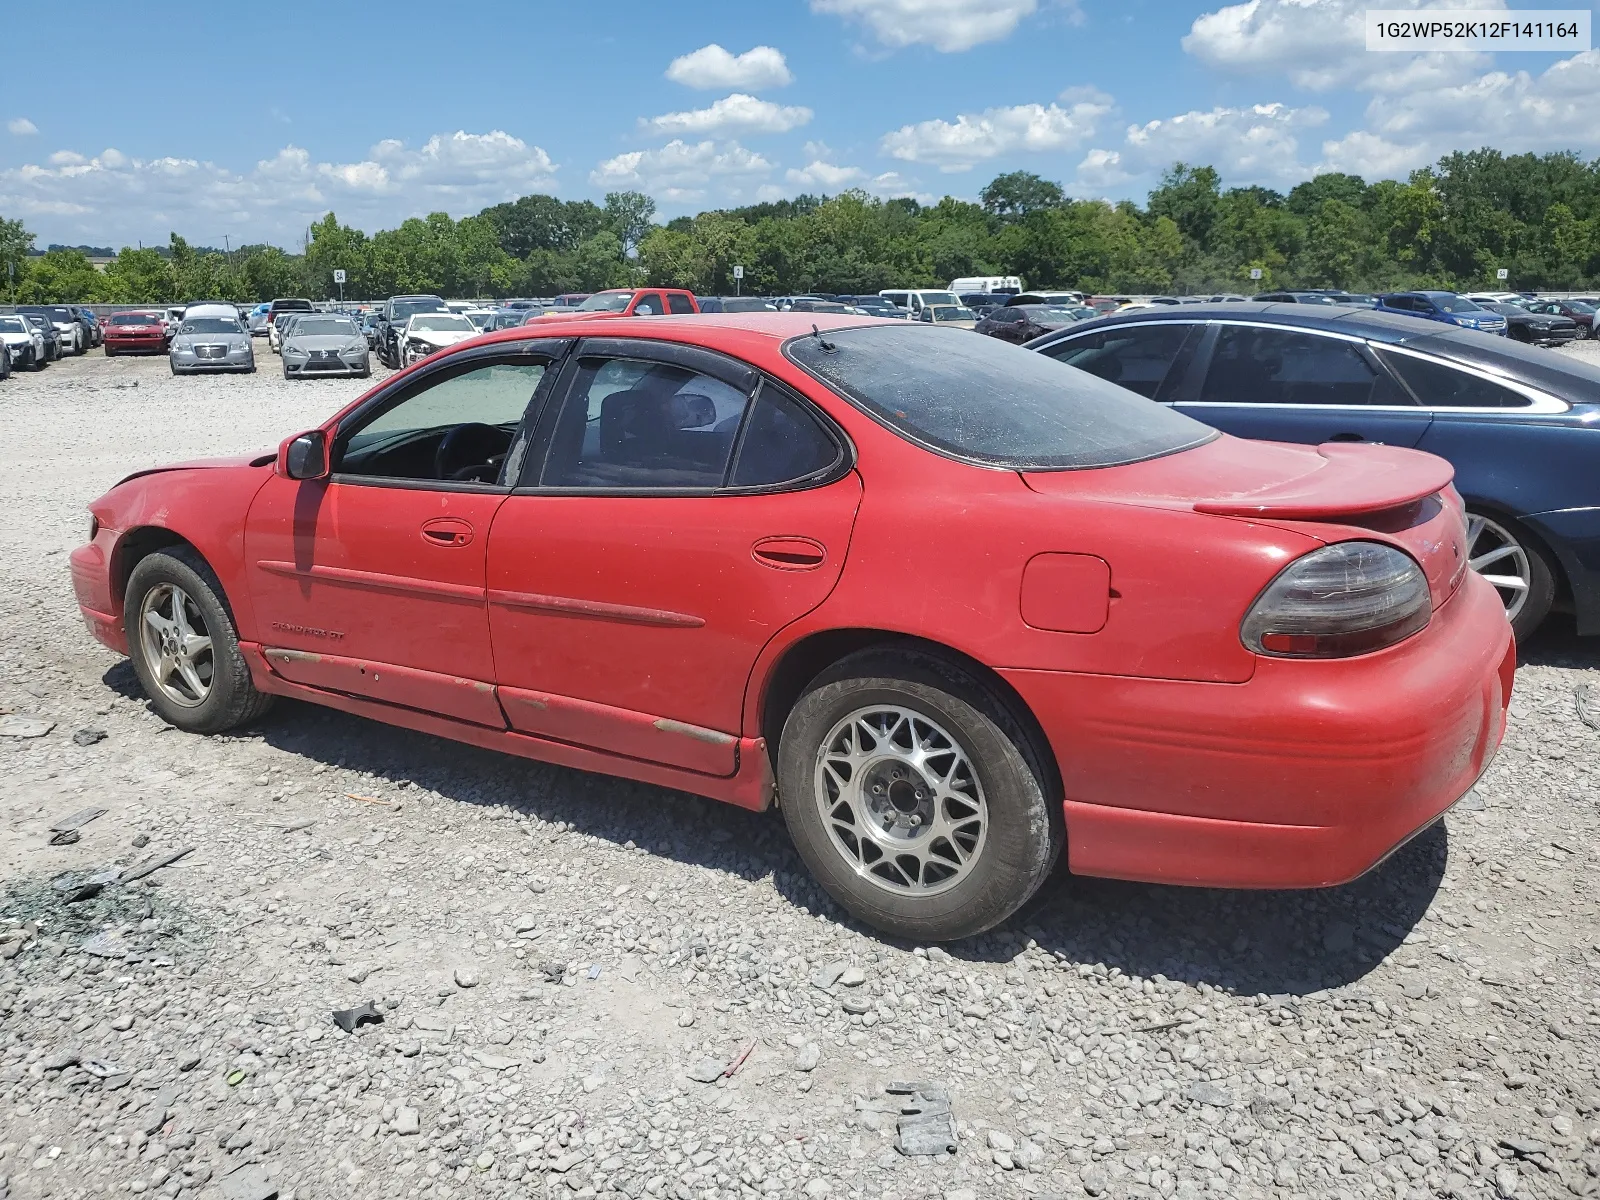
{"type": "Point", "coordinates": [592, 987]}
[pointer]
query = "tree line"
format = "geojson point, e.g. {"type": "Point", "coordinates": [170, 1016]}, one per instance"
{"type": "Point", "coordinates": [1448, 226]}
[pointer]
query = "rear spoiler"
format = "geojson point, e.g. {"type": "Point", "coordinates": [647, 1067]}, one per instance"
{"type": "Point", "coordinates": [1355, 478]}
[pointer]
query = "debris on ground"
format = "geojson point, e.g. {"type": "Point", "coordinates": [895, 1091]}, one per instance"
{"type": "Point", "coordinates": [88, 737]}
{"type": "Point", "coordinates": [24, 727]}
{"type": "Point", "coordinates": [348, 1019]}
{"type": "Point", "coordinates": [926, 1124]}
{"type": "Point", "coordinates": [152, 865]}
{"type": "Point", "coordinates": [66, 831]}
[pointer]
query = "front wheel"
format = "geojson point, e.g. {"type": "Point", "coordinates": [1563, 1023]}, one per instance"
{"type": "Point", "coordinates": [915, 797]}
{"type": "Point", "coordinates": [1502, 552]}
{"type": "Point", "coordinates": [184, 646]}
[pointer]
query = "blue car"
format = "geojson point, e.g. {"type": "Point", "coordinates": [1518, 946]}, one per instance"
{"type": "Point", "coordinates": [1520, 425]}
{"type": "Point", "coordinates": [1443, 306]}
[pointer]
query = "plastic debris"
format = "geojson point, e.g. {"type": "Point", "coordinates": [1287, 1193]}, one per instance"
{"type": "Point", "coordinates": [154, 864]}
{"type": "Point", "coordinates": [926, 1125]}
{"type": "Point", "coordinates": [348, 1018]}
{"type": "Point", "coordinates": [65, 831]}
{"type": "Point", "coordinates": [1203, 1092]}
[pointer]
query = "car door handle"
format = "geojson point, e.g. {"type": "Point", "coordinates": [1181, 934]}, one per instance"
{"type": "Point", "coordinates": [447, 532]}
{"type": "Point", "coordinates": [1347, 437]}
{"type": "Point", "coordinates": [790, 553]}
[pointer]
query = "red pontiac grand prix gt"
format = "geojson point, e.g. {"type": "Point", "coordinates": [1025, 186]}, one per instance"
{"type": "Point", "coordinates": [952, 605]}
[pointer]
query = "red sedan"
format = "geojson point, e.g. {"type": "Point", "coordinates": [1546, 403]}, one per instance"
{"type": "Point", "coordinates": [136, 333]}
{"type": "Point", "coordinates": [954, 606]}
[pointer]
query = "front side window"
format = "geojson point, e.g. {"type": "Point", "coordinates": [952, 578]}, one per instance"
{"type": "Point", "coordinates": [982, 400]}
{"type": "Point", "coordinates": [649, 305]}
{"type": "Point", "coordinates": [458, 428]}
{"type": "Point", "coordinates": [1437, 385]}
{"type": "Point", "coordinates": [1137, 357]}
{"type": "Point", "coordinates": [1251, 365]}
{"type": "Point", "coordinates": [629, 423]}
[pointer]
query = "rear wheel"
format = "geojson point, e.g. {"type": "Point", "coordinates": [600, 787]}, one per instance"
{"type": "Point", "coordinates": [915, 797]}
{"type": "Point", "coordinates": [184, 646]}
{"type": "Point", "coordinates": [1502, 552]}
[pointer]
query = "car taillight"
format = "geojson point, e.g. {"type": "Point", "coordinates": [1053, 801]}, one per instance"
{"type": "Point", "coordinates": [1344, 599]}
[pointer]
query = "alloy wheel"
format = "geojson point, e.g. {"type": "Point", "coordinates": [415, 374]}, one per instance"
{"type": "Point", "coordinates": [176, 645]}
{"type": "Point", "coordinates": [1494, 552]}
{"type": "Point", "coordinates": [900, 800]}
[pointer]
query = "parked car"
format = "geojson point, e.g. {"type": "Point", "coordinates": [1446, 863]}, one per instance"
{"type": "Point", "coordinates": [429, 333]}
{"type": "Point", "coordinates": [392, 318]}
{"type": "Point", "coordinates": [1003, 284]}
{"type": "Point", "coordinates": [1294, 298]}
{"type": "Point", "coordinates": [1536, 328]}
{"type": "Point", "coordinates": [1066, 297]}
{"type": "Point", "coordinates": [569, 300]}
{"type": "Point", "coordinates": [957, 316]}
{"type": "Point", "coordinates": [69, 327]}
{"type": "Point", "coordinates": [1023, 322]}
{"type": "Point", "coordinates": [285, 304]}
{"type": "Point", "coordinates": [280, 323]}
{"type": "Point", "coordinates": [48, 333]}
{"type": "Point", "coordinates": [481, 317]}
{"type": "Point", "coordinates": [980, 302]}
{"type": "Point", "coordinates": [24, 344]}
{"type": "Point", "coordinates": [734, 304]}
{"type": "Point", "coordinates": [174, 318]}
{"type": "Point", "coordinates": [258, 320]}
{"type": "Point", "coordinates": [631, 302]}
{"type": "Point", "coordinates": [210, 341]}
{"type": "Point", "coordinates": [692, 571]}
{"type": "Point", "coordinates": [875, 306]}
{"type": "Point", "coordinates": [136, 333]}
{"type": "Point", "coordinates": [5, 360]}
{"type": "Point", "coordinates": [1520, 426]}
{"type": "Point", "coordinates": [325, 344]}
{"type": "Point", "coordinates": [1576, 311]}
{"type": "Point", "coordinates": [1447, 307]}
{"type": "Point", "coordinates": [92, 324]}
{"type": "Point", "coordinates": [913, 300]}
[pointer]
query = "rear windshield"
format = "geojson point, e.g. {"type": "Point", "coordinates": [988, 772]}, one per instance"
{"type": "Point", "coordinates": [135, 319]}
{"type": "Point", "coordinates": [291, 305]}
{"type": "Point", "coordinates": [982, 400]}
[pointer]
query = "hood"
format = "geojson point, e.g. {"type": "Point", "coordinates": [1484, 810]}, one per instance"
{"type": "Point", "coordinates": [264, 459]}
{"type": "Point", "coordinates": [12, 337]}
{"type": "Point", "coordinates": [327, 341]}
{"type": "Point", "coordinates": [440, 338]}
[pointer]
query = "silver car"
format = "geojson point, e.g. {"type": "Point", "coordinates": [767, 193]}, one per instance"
{"type": "Point", "coordinates": [211, 343]}
{"type": "Point", "coordinates": [324, 344]}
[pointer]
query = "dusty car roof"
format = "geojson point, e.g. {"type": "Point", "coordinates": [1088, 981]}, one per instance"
{"type": "Point", "coordinates": [776, 326]}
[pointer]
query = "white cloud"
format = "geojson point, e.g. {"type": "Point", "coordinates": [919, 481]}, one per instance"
{"type": "Point", "coordinates": [1257, 144]}
{"type": "Point", "coordinates": [1321, 44]}
{"type": "Point", "coordinates": [824, 176]}
{"type": "Point", "coordinates": [712, 67]}
{"type": "Point", "coordinates": [1513, 112]}
{"type": "Point", "coordinates": [947, 25]}
{"type": "Point", "coordinates": [21, 126]}
{"type": "Point", "coordinates": [1025, 128]}
{"type": "Point", "coordinates": [113, 197]}
{"type": "Point", "coordinates": [682, 171]}
{"type": "Point", "coordinates": [737, 113]}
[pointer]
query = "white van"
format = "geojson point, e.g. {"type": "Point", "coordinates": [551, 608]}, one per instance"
{"type": "Point", "coordinates": [914, 300]}
{"type": "Point", "coordinates": [986, 283]}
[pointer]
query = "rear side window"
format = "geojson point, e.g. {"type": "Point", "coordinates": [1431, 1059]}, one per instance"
{"type": "Point", "coordinates": [1137, 357]}
{"type": "Point", "coordinates": [984, 401]}
{"type": "Point", "coordinates": [678, 303]}
{"type": "Point", "coordinates": [1437, 385]}
{"type": "Point", "coordinates": [1251, 365]}
{"type": "Point", "coordinates": [782, 443]}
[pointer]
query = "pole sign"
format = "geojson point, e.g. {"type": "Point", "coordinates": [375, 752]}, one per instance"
{"type": "Point", "coordinates": [738, 272]}
{"type": "Point", "coordinates": [338, 275]}
{"type": "Point", "coordinates": [1255, 272]}
{"type": "Point", "coordinates": [1502, 273]}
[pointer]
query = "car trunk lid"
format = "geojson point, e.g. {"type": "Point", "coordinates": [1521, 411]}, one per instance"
{"type": "Point", "coordinates": [1335, 492]}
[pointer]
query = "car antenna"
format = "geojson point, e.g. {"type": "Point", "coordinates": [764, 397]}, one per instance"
{"type": "Point", "coordinates": [821, 341]}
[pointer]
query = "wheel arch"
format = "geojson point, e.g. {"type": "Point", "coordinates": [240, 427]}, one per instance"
{"type": "Point", "coordinates": [136, 545]}
{"type": "Point", "coordinates": [801, 663]}
{"type": "Point", "coordinates": [1559, 567]}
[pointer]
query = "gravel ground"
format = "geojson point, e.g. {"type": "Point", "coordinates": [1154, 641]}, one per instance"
{"type": "Point", "coordinates": [591, 987]}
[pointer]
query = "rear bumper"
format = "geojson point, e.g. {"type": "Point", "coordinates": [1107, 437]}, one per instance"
{"type": "Point", "coordinates": [1307, 775]}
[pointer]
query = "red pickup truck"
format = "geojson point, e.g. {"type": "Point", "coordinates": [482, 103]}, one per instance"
{"type": "Point", "coordinates": [630, 302]}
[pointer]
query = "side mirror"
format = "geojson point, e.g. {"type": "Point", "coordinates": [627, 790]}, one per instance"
{"type": "Point", "coordinates": [305, 456]}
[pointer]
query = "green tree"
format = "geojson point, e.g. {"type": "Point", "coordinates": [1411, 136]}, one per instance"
{"type": "Point", "coordinates": [139, 277]}
{"type": "Point", "coordinates": [1015, 195]}
{"type": "Point", "coordinates": [1191, 197]}
{"type": "Point", "coordinates": [628, 215]}
{"type": "Point", "coordinates": [60, 277]}
{"type": "Point", "coordinates": [15, 242]}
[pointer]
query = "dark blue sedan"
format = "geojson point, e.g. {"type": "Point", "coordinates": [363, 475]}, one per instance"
{"type": "Point", "coordinates": [1443, 306]}
{"type": "Point", "coordinates": [1520, 424]}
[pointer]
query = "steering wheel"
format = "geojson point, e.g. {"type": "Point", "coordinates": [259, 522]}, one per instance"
{"type": "Point", "coordinates": [472, 451]}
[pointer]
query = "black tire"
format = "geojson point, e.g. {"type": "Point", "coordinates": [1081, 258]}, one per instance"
{"type": "Point", "coordinates": [233, 699]}
{"type": "Point", "coordinates": [110, 353]}
{"type": "Point", "coordinates": [1541, 594]}
{"type": "Point", "coordinates": [1025, 830]}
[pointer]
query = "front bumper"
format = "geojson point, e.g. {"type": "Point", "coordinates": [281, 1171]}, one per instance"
{"type": "Point", "coordinates": [236, 361]}
{"type": "Point", "coordinates": [91, 583]}
{"type": "Point", "coordinates": [328, 366]}
{"type": "Point", "coordinates": [1307, 775]}
{"type": "Point", "coordinates": [137, 345]}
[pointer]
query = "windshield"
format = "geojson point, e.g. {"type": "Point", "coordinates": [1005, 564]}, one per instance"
{"type": "Point", "coordinates": [942, 299]}
{"type": "Point", "coordinates": [1578, 306]}
{"type": "Point", "coordinates": [442, 323]}
{"type": "Point", "coordinates": [410, 308]}
{"type": "Point", "coordinates": [1506, 310]}
{"type": "Point", "coordinates": [211, 325]}
{"type": "Point", "coordinates": [1454, 304]}
{"type": "Point", "coordinates": [953, 312]}
{"type": "Point", "coordinates": [606, 302]}
{"type": "Point", "coordinates": [12, 325]}
{"type": "Point", "coordinates": [1052, 312]}
{"type": "Point", "coordinates": [135, 319]}
{"type": "Point", "coordinates": [980, 399]}
{"type": "Point", "coordinates": [324, 327]}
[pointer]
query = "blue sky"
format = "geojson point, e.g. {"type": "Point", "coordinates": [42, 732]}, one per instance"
{"type": "Point", "coordinates": [220, 120]}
